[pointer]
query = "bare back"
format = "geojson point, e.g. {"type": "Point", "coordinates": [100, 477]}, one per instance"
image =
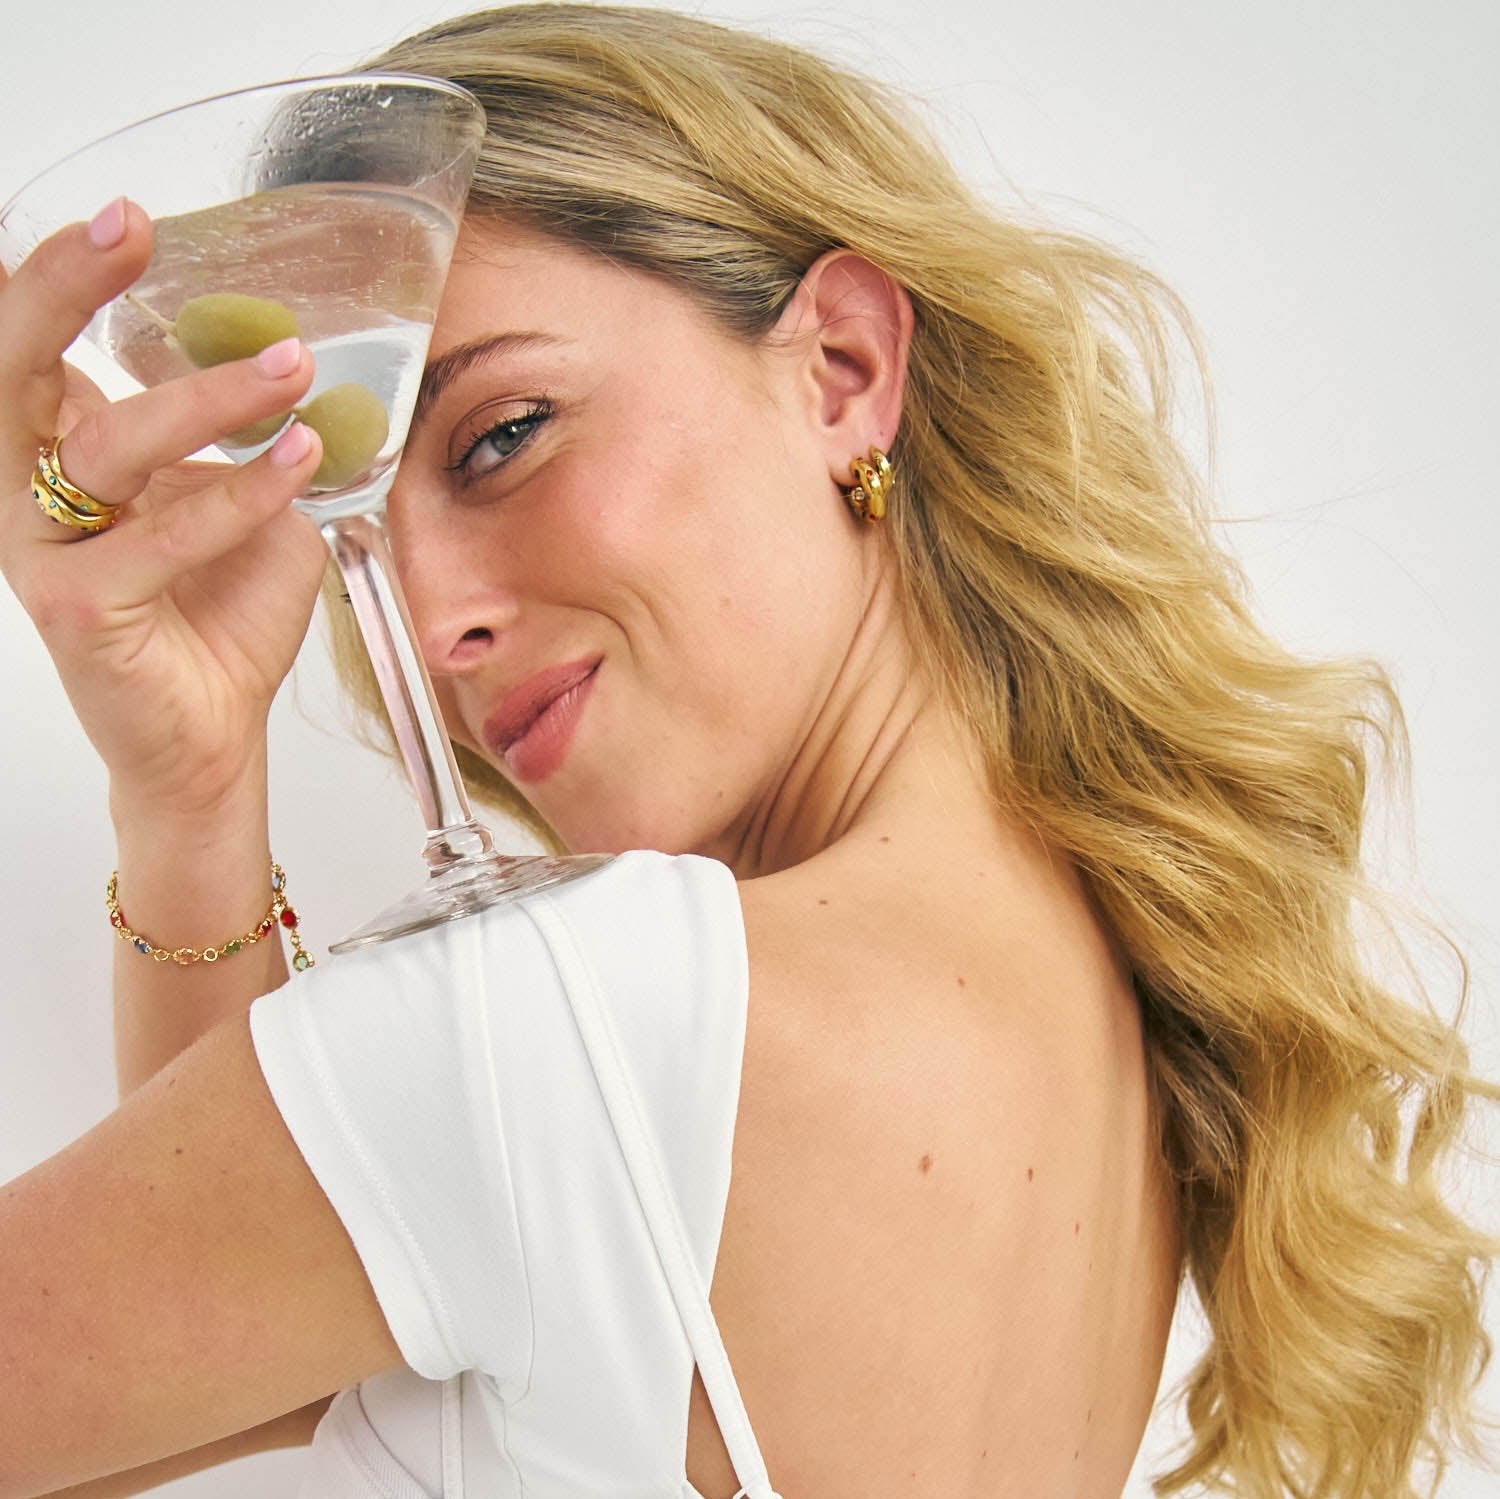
{"type": "Point", "coordinates": [948, 1264]}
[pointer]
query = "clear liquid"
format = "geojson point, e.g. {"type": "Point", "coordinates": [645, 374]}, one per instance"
{"type": "Point", "coordinates": [360, 268]}
{"type": "Point", "coordinates": [387, 360]}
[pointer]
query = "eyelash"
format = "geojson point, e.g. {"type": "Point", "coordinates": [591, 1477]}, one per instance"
{"type": "Point", "coordinates": [529, 420]}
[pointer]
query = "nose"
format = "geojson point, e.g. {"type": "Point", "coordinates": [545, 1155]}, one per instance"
{"type": "Point", "coordinates": [459, 603]}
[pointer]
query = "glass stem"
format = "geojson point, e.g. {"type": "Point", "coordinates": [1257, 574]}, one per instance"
{"type": "Point", "coordinates": [358, 544]}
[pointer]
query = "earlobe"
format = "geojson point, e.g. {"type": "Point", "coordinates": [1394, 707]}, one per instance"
{"type": "Point", "coordinates": [858, 321]}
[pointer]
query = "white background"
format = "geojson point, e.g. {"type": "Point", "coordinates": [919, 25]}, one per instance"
{"type": "Point", "coordinates": [1319, 178]}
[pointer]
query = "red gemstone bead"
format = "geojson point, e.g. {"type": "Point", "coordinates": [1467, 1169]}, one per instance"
{"type": "Point", "coordinates": [289, 918]}
{"type": "Point", "coordinates": [264, 927]}
{"type": "Point", "coordinates": [116, 919]}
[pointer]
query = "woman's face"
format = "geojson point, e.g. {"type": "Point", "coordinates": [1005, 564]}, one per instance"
{"type": "Point", "coordinates": [632, 574]}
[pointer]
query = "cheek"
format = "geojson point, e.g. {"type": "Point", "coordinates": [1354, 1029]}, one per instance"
{"type": "Point", "coordinates": [687, 549]}
{"type": "Point", "coordinates": [660, 496]}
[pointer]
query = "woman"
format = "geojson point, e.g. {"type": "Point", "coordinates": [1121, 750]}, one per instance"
{"type": "Point", "coordinates": [1043, 862]}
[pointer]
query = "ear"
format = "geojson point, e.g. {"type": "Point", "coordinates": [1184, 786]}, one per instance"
{"type": "Point", "coordinates": [851, 324]}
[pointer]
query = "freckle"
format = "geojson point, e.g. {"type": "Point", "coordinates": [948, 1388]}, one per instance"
{"type": "Point", "coordinates": [822, 900]}
{"type": "Point", "coordinates": [150, 1186]}
{"type": "Point", "coordinates": [1076, 1227]}
{"type": "Point", "coordinates": [1075, 1454]}
{"type": "Point", "coordinates": [961, 983]}
{"type": "Point", "coordinates": [1029, 1173]}
{"type": "Point", "coordinates": [985, 1453]}
{"type": "Point", "coordinates": [926, 1164]}
{"type": "Point", "coordinates": [884, 838]}
{"type": "Point", "coordinates": [178, 1151]}
{"type": "Point", "coordinates": [1088, 1418]}
{"type": "Point", "coordinates": [46, 1291]}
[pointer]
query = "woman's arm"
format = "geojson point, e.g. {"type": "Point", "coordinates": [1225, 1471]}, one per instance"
{"type": "Point", "coordinates": [171, 632]}
{"type": "Point", "coordinates": [295, 1429]}
{"type": "Point", "coordinates": [172, 1278]}
{"type": "Point", "coordinates": [189, 880]}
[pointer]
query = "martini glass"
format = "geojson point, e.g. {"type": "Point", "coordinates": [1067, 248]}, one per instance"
{"type": "Point", "coordinates": [338, 200]}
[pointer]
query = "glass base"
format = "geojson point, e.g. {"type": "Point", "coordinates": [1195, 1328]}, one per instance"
{"type": "Point", "coordinates": [473, 886]}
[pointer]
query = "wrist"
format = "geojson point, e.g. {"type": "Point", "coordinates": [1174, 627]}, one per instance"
{"type": "Point", "coordinates": [196, 814]}
{"type": "Point", "coordinates": [279, 913]}
{"type": "Point", "coordinates": [192, 872]}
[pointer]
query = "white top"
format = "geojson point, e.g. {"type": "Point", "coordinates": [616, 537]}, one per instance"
{"type": "Point", "coordinates": [524, 1120]}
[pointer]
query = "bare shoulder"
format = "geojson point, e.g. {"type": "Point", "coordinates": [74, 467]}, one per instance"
{"type": "Point", "coordinates": [942, 1164]}
{"type": "Point", "coordinates": [960, 1010]}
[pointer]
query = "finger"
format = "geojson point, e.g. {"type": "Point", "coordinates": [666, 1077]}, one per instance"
{"type": "Point", "coordinates": [145, 555]}
{"type": "Point", "coordinates": [112, 452]}
{"type": "Point", "coordinates": [56, 290]}
{"type": "Point", "coordinates": [49, 301]}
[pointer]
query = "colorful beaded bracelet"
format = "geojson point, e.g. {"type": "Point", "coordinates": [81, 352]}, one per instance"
{"type": "Point", "coordinates": [280, 912]}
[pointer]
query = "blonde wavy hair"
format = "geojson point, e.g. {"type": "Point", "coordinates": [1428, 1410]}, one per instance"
{"type": "Point", "coordinates": [1056, 559]}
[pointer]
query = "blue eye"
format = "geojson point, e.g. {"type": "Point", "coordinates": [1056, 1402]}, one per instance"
{"type": "Point", "coordinates": [496, 444]}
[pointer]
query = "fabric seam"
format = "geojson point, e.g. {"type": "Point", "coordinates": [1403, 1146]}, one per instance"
{"type": "Point", "coordinates": [477, 952]}
{"type": "Point", "coordinates": [349, 1137]}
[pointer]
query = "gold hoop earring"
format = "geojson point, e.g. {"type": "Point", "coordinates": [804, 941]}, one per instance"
{"type": "Point", "coordinates": [872, 483]}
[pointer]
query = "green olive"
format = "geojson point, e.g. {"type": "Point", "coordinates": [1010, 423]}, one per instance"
{"type": "Point", "coordinates": [224, 325]}
{"type": "Point", "coordinates": [352, 422]}
{"type": "Point", "coordinates": [255, 433]}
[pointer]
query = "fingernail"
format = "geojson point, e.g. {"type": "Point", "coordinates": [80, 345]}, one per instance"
{"type": "Point", "coordinates": [292, 446]}
{"type": "Point", "coordinates": [107, 227]}
{"type": "Point", "coordinates": [280, 359]}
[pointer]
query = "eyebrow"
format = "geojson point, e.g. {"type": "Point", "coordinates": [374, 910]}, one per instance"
{"type": "Point", "coordinates": [442, 372]}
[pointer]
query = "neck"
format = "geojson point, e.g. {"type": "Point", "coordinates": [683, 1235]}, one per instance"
{"type": "Point", "coordinates": [880, 750]}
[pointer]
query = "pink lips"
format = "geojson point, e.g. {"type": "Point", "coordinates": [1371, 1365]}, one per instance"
{"type": "Point", "coordinates": [532, 727]}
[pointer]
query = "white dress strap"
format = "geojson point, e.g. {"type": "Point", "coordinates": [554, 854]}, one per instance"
{"type": "Point", "coordinates": [657, 1203]}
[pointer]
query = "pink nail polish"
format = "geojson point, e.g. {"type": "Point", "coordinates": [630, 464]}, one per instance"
{"type": "Point", "coordinates": [107, 227]}
{"type": "Point", "coordinates": [291, 447]}
{"type": "Point", "coordinates": [280, 359]}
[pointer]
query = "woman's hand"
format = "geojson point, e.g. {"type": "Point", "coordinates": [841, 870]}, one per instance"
{"type": "Point", "coordinates": [172, 630]}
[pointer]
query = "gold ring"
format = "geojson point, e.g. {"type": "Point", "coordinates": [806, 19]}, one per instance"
{"type": "Point", "coordinates": [63, 501]}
